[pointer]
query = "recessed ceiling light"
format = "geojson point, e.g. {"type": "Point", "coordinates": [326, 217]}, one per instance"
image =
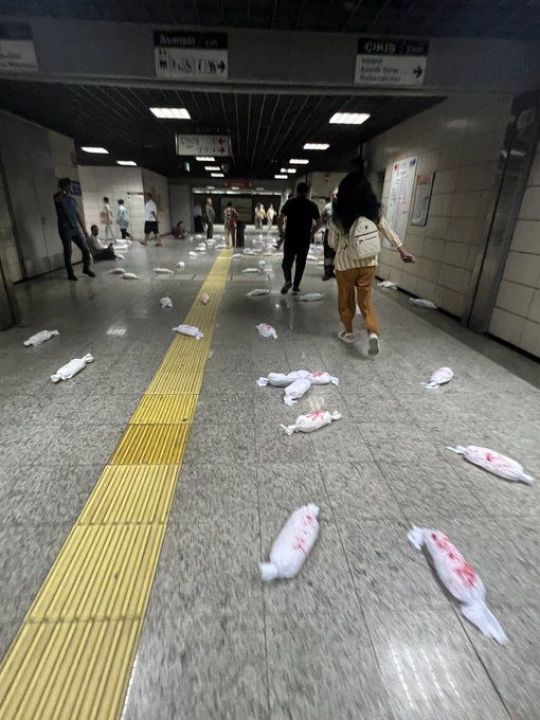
{"type": "Point", "coordinates": [205, 159]}
{"type": "Point", "coordinates": [95, 150]}
{"type": "Point", "coordinates": [345, 118]}
{"type": "Point", "coordinates": [210, 187]}
{"type": "Point", "coordinates": [298, 161]}
{"type": "Point", "coordinates": [316, 146]}
{"type": "Point", "coordinates": [259, 189]}
{"type": "Point", "coordinates": [281, 177]}
{"type": "Point", "coordinates": [131, 163]}
{"type": "Point", "coordinates": [235, 187]}
{"type": "Point", "coordinates": [291, 171]}
{"type": "Point", "coordinates": [170, 113]}
{"type": "Point", "coordinates": [212, 168]}
{"type": "Point", "coordinates": [217, 175]}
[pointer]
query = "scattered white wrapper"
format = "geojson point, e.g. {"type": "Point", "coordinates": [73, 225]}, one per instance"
{"type": "Point", "coordinates": [311, 257]}
{"type": "Point", "coordinates": [440, 377]}
{"type": "Point", "coordinates": [321, 377]}
{"type": "Point", "coordinates": [192, 254]}
{"type": "Point", "coordinates": [221, 246]}
{"type": "Point", "coordinates": [116, 271]}
{"type": "Point", "coordinates": [261, 264]}
{"type": "Point", "coordinates": [258, 292]}
{"type": "Point", "coordinates": [40, 337]}
{"type": "Point", "coordinates": [237, 256]}
{"type": "Point", "coordinates": [494, 462]}
{"type": "Point", "coordinates": [71, 368]}
{"type": "Point", "coordinates": [266, 330]}
{"type": "Point", "coordinates": [311, 297]}
{"type": "Point", "coordinates": [163, 271]}
{"type": "Point", "coordinates": [190, 330]}
{"type": "Point", "coordinates": [249, 251]}
{"type": "Point", "coordinates": [282, 379]}
{"type": "Point", "coordinates": [250, 270]}
{"type": "Point", "coordinates": [388, 284]}
{"type": "Point", "coordinates": [120, 256]}
{"type": "Point", "coordinates": [205, 298]}
{"type": "Point", "coordinates": [460, 579]}
{"type": "Point", "coordinates": [295, 391]}
{"type": "Point", "coordinates": [181, 264]}
{"type": "Point", "coordinates": [421, 302]}
{"type": "Point", "coordinates": [312, 421]}
{"type": "Point", "coordinates": [293, 544]}
{"type": "Point", "coordinates": [166, 302]}
{"type": "Point", "coordinates": [130, 276]}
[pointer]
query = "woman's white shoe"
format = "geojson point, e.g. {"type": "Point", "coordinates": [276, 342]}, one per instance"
{"type": "Point", "coordinates": [346, 337]}
{"type": "Point", "coordinates": [373, 348]}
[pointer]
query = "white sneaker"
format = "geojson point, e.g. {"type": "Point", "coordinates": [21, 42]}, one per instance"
{"type": "Point", "coordinates": [373, 348]}
{"type": "Point", "coordinates": [346, 337]}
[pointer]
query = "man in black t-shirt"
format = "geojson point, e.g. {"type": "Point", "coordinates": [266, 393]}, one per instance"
{"type": "Point", "coordinates": [301, 214]}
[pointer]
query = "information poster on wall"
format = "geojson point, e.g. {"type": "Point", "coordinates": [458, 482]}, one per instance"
{"type": "Point", "coordinates": [401, 191]}
{"type": "Point", "coordinates": [422, 199]}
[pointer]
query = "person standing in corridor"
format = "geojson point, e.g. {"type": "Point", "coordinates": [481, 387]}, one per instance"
{"type": "Point", "coordinates": [302, 216]}
{"type": "Point", "coordinates": [151, 225]}
{"type": "Point", "coordinates": [122, 220]}
{"type": "Point", "coordinates": [107, 219]}
{"type": "Point", "coordinates": [210, 218]}
{"type": "Point", "coordinates": [230, 219]}
{"type": "Point", "coordinates": [70, 225]}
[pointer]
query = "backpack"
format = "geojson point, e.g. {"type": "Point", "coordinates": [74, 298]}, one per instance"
{"type": "Point", "coordinates": [364, 239]}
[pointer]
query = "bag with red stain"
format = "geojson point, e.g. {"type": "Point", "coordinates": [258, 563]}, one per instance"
{"type": "Point", "coordinates": [460, 579]}
{"type": "Point", "coordinates": [321, 377]}
{"type": "Point", "coordinates": [312, 421]}
{"type": "Point", "coordinates": [293, 544]}
{"type": "Point", "coordinates": [494, 462]}
{"type": "Point", "coordinates": [266, 330]}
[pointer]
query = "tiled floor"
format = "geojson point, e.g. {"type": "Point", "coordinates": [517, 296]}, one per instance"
{"type": "Point", "coordinates": [365, 631]}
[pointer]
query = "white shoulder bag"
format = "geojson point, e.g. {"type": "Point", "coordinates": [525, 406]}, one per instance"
{"type": "Point", "coordinates": [364, 238]}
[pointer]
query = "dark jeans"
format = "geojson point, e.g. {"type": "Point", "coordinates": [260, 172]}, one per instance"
{"type": "Point", "coordinates": [105, 254]}
{"type": "Point", "coordinates": [125, 234]}
{"type": "Point", "coordinates": [198, 224]}
{"type": "Point", "coordinates": [295, 251]}
{"type": "Point", "coordinates": [74, 236]}
{"type": "Point", "coordinates": [210, 231]}
{"type": "Point", "coordinates": [329, 256]}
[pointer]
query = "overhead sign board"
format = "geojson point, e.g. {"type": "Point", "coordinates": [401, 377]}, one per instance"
{"type": "Point", "coordinates": [391, 62]}
{"type": "Point", "coordinates": [196, 56]}
{"type": "Point", "coordinates": [17, 51]}
{"type": "Point", "coordinates": [203, 145]}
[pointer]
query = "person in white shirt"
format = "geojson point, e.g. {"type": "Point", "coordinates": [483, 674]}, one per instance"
{"type": "Point", "coordinates": [98, 249]}
{"type": "Point", "coordinates": [107, 219]}
{"type": "Point", "coordinates": [122, 220]}
{"type": "Point", "coordinates": [150, 220]}
{"type": "Point", "coordinates": [270, 215]}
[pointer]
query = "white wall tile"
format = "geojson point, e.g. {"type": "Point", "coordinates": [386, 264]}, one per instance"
{"type": "Point", "coordinates": [530, 207]}
{"type": "Point", "coordinates": [530, 339]}
{"type": "Point", "coordinates": [523, 268]}
{"type": "Point", "coordinates": [507, 326]}
{"type": "Point", "coordinates": [534, 309]}
{"type": "Point", "coordinates": [514, 298]}
{"type": "Point", "coordinates": [527, 237]}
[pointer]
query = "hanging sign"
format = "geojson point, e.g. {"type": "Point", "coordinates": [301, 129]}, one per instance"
{"type": "Point", "coordinates": [399, 201]}
{"type": "Point", "coordinates": [395, 62]}
{"type": "Point", "coordinates": [422, 200]}
{"type": "Point", "coordinates": [17, 51]}
{"type": "Point", "coordinates": [196, 56]}
{"type": "Point", "coordinates": [203, 145]}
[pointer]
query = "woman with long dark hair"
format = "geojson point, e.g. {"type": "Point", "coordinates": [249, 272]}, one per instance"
{"type": "Point", "coordinates": [355, 230]}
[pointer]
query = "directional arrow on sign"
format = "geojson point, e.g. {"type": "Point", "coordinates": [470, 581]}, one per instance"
{"type": "Point", "coordinates": [221, 66]}
{"type": "Point", "coordinates": [418, 71]}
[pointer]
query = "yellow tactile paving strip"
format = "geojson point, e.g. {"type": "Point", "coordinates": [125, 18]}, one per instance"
{"type": "Point", "coordinates": [73, 654]}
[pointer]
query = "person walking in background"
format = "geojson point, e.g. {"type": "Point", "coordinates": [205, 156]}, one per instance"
{"type": "Point", "coordinates": [70, 225]}
{"type": "Point", "coordinates": [198, 218]}
{"type": "Point", "coordinates": [329, 253]}
{"type": "Point", "coordinates": [257, 216]}
{"type": "Point", "coordinates": [284, 225]}
{"type": "Point", "coordinates": [355, 227]}
{"type": "Point", "coordinates": [270, 215]}
{"type": "Point", "coordinates": [107, 219]}
{"type": "Point", "coordinates": [209, 218]}
{"type": "Point", "coordinates": [262, 216]}
{"type": "Point", "coordinates": [230, 219]}
{"type": "Point", "coordinates": [151, 224]}
{"type": "Point", "coordinates": [301, 214]}
{"type": "Point", "coordinates": [98, 250]}
{"type": "Point", "coordinates": [122, 220]}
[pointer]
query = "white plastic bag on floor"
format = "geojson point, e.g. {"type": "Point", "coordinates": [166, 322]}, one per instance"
{"type": "Point", "coordinates": [205, 298]}
{"type": "Point", "coordinates": [40, 337]}
{"type": "Point", "coordinates": [440, 377]}
{"type": "Point", "coordinates": [388, 284]}
{"type": "Point", "coordinates": [282, 379]}
{"type": "Point", "coordinates": [250, 270]}
{"type": "Point", "coordinates": [221, 246]}
{"type": "Point", "coordinates": [421, 302]}
{"type": "Point", "coordinates": [181, 264]}
{"type": "Point", "coordinates": [295, 391]}
{"type": "Point", "coordinates": [312, 421]}
{"type": "Point", "coordinates": [166, 302]}
{"type": "Point", "coordinates": [249, 251]}
{"type": "Point", "coordinates": [494, 462]}
{"type": "Point", "coordinates": [261, 265]}
{"type": "Point", "coordinates": [192, 254]}
{"type": "Point", "coordinates": [459, 578]}
{"type": "Point", "coordinates": [321, 377]}
{"type": "Point", "coordinates": [72, 368]}
{"type": "Point", "coordinates": [163, 271]}
{"type": "Point", "coordinates": [237, 256]}
{"type": "Point", "coordinates": [266, 330]}
{"type": "Point", "coordinates": [293, 544]}
{"type": "Point", "coordinates": [190, 330]}
{"type": "Point", "coordinates": [312, 257]}
{"type": "Point", "coordinates": [311, 297]}
{"type": "Point", "coordinates": [119, 256]}
{"type": "Point", "coordinates": [116, 271]}
{"type": "Point", "coordinates": [130, 276]}
{"type": "Point", "coordinates": [258, 292]}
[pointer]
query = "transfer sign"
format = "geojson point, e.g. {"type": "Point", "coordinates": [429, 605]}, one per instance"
{"type": "Point", "coordinates": [196, 56]}
{"type": "Point", "coordinates": [391, 62]}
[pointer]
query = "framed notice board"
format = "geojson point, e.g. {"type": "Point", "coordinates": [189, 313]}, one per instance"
{"type": "Point", "coordinates": [422, 199]}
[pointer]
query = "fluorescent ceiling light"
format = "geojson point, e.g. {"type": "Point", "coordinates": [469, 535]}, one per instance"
{"type": "Point", "coordinates": [131, 163]}
{"type": "Point", "coordinates": [210, 187]}
{"type": "Point", "coordinates": [259, 189]}
{"type": "Point", "coordinates": [217, 175]}
{"type": "Point", "coordinates": [170, 113]}
{"type": "Point", "coordinates": [291, 171]}
{"type": "Point", "coordinates": [212, 168]}
{"type": "Point", "coordinates": [281, 177]}
{"type": "Point", "coordinates": [298, 161]}
{"type": "Point", "coordinates": [346, 118]}
{"type": "Point", "coordinates": [316, 146]}
{"type": "Point", "coordinates": [235, 187]}
{"type": "Point", "coordinates": [95, 150]}
{"type": "Point", "coordinates": [205, 159]}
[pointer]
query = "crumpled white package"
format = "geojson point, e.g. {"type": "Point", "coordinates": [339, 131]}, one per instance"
{"type": "Point", "coordinates": [221, 246]}
{"type": "Point", "coordinates": [494, 462]}
{"type": "Point", "coordinates": [130, 276]}
{"type": "Point", "coordinates": [312, 421]}
{"type": "Point", "coordinates": [266, 330]}
{"type": "Point", "coordinates": [163, 271]}
{"type": "Point", "coordinates": [268, 253]}
{"type": "Point", "coordinates": [311, 257]}
{"type": "Point", "coordinates": [261, 264]}
{"type": "Point", "coordinates": [460, 579]}
{"type": "Point", "coordinates": [166, 302]}
{"type": "Point", "coordinates": [441, 376]}
{"type": "Point", "coordinates": [388, 284]}
{"type": "Point", "coordinates": [120, 256]}
{"type": "Point", "coordinates": [250, 270]}
{"type": "Point", "coordinates": [40, 337]}
{"type": "Point", "coordinates": [321, 377]}
{"type": "Point", "coordinates": [190, 330]}
{"type": "Point", "coordinates": [258, 292]}
{"type": "Point", "coordinates": [237, 256]}
{"type": "Point", "coordinates": [293, 544]}
{"type": "Point", "coordinates": [421, 302]}
{"type": "Point", "coordinates": [205, 298]}
{"type": "Point", "coordinates": [181, 264]}
{"type": "Point", "coordinates": [311, 297]}
{"type": "Point", "coordinates": [66, 372]}
{"type": "Point", "coordinates": [116, 271]}
{"type": "Point", "coordinates": [249, 251]}
{"type": "Point", "coordinates": [201, 251]}
{"type": "Point", "coordinates": [192, 254]}
{"type": "Point", "coordinates": [282, 379]}
{"type": "Point", "coordinates": [295, 391]}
